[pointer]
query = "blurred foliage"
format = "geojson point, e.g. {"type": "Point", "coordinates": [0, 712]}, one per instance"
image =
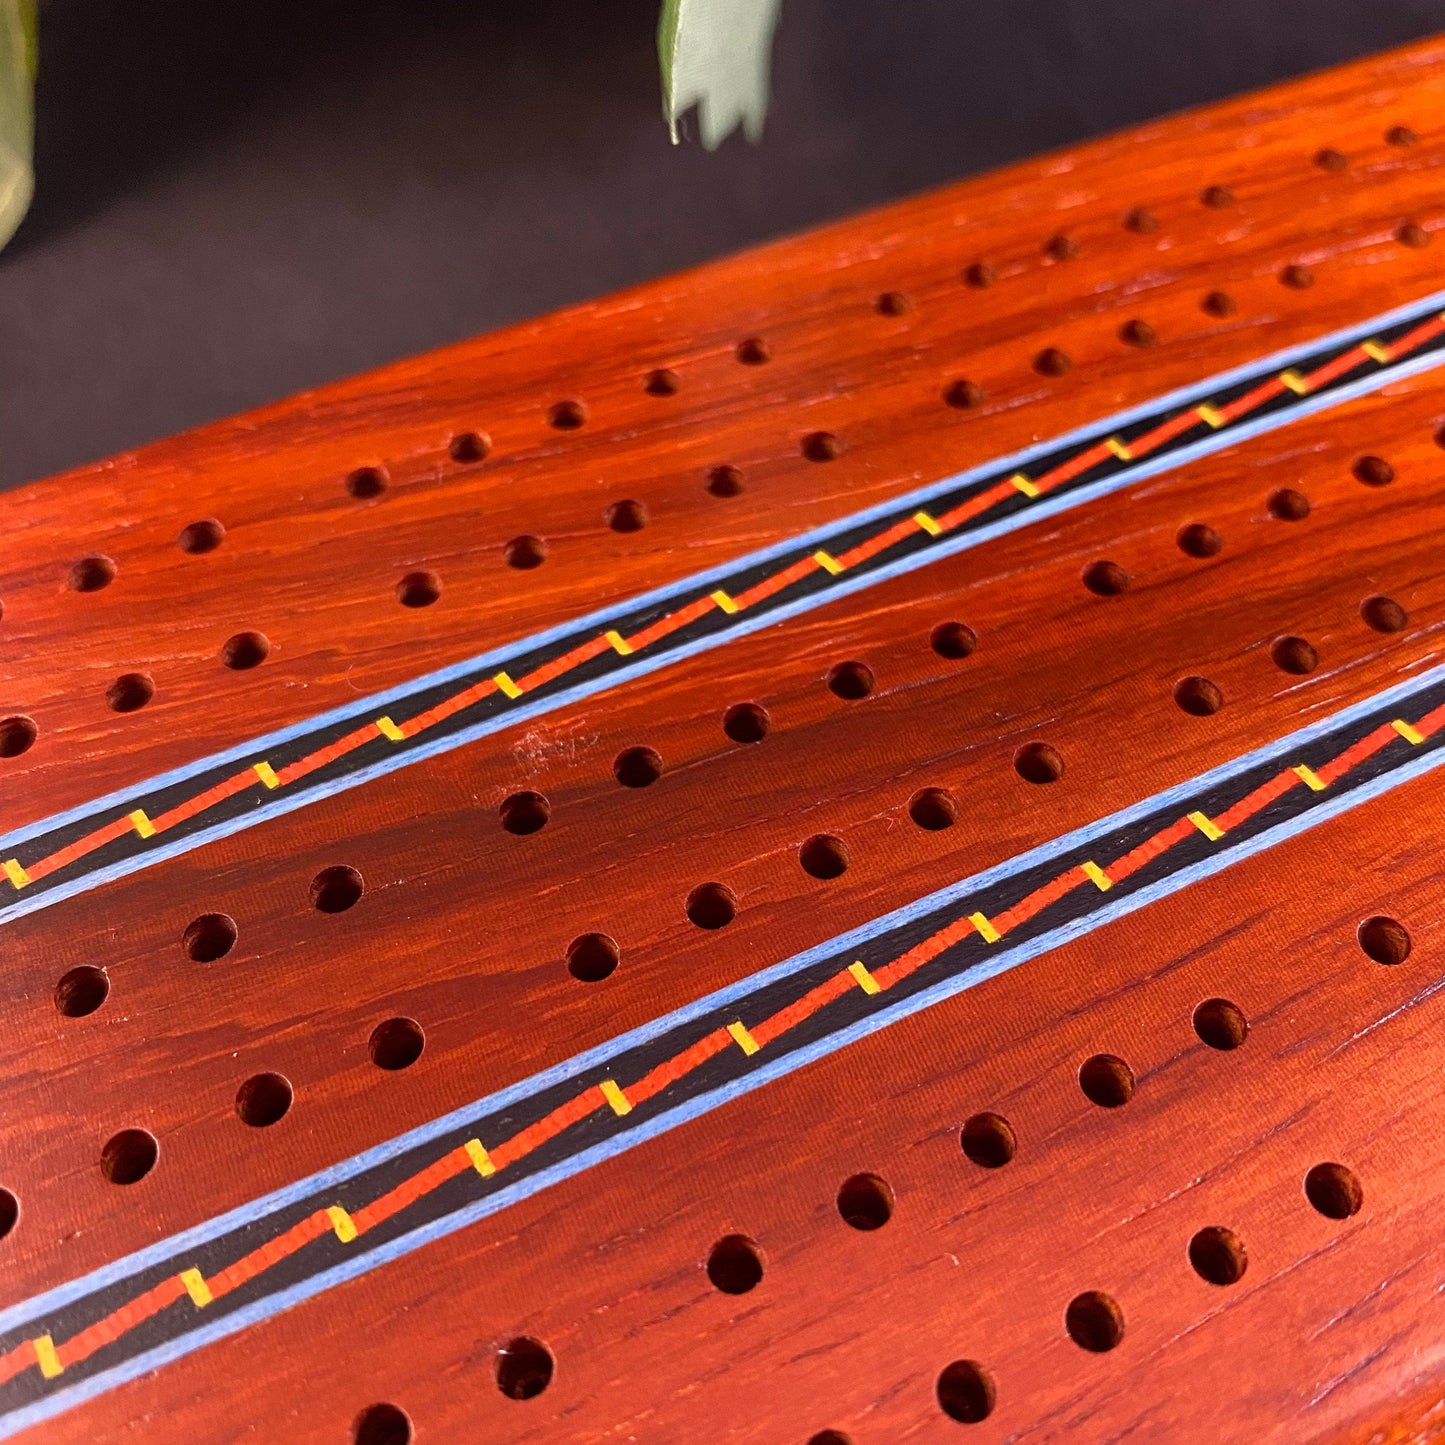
{"type": "Point", "coordinates": [17, 88]}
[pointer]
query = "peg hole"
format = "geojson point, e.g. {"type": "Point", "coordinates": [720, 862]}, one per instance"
{"type": "Point", "coordinates": [335, 889]}
{"type": "Point", "coordinates": [92, 573]}
{"type": "Point", "coordinates": [1218, 303]}
{"type": "Point", "coordinates": [129, 1156]}
{"type": "Point", "coordinates": [712, 905]}
{"type": "Point", "coordinates": [130, 692]}
{"type": "Point", "coordinates": [210, 937]}
{"type": "Point", "coordinates": [469, 446]}
{"type": "Point", "coordinates": [953, 640]}
{"type": "Point", "coordinates": [396, 1044]}
{"type": "Point", "coordinates": [245, 650]}
{"type": "Point", "coordinates": [1221, 1024]}
{"type": "Point", "coordinates": [591, 957]}
{"type": "Point", "coordinates": [1217, 1255]}
{"type": "Point", "coordinates": [1288, 505]}
{"type": "Point", "coordinates": [525, 812]}
{"type": "Point", "coordinates": [366, 482]}
{"type": "Point", "coordinates": [1333, 1191]}
{"type": "Point", "coordinates": [1384, 614]}
{"type": "Point", "coordinates": [525, 552]}
{"type": "Point", "coordinates": [821, 446]}
{"type": "Point", "coordinates": [979, 274]}
{"type": "Point", "coordinates": [627, 515]}
{"type": "Point", "coordinates": [966, 1392]}
{"type": "Point", "coordinates": [866, 1202]}
{"type": "Point", "coordinates": [637, 767]}
{"type": "Point", "coordinates": [725, 481]}
{"type": "Point", "coordinates": [662, 382]}
{"type": "Point", "coordinates": [524, 1368]}
{"type": "Point", "coordinates": [1296, 277]}
{"type": "Point", "coordinates": [418, 589]}
{"type": "Point", "coordinates": [202, 536]}
{"type": "Point", "coordinates": [9, 1212]}
{"type": "Point", "coordinates": [17, 735]}
{"type": "Point", "coordinates": [1198, 696]}
{"type": "Point", "coordinates": [1385, 940]}
{"type": "Point", "coordinates": [1400, 135]}
{"type": "Point", "coordinates": [1329, 159]}
{"type": "Point", "coordinates": [754, 351]}
{"type": "Point", "coordinates": [892, 303]}
{"type": "Point", "coordinates": [850, 680]}
{"type": "Point", "coordinates": [988, 1140]}
{"type": "Point", "coordinates": [1138, 333]}
{"type": "Point", "coordinates": [747, 722]}
{"type": "Point", "coordinates": [962, 395]}
{"type": "Point", "coordinates": [381, 1424]}
{"type": "Point", "coordinates": [1373, 471]}
{"type": "Point", "coordinates": [1106, 1081]}
{"type": "Point", "coordinates": [81, 991]}
{"type": "Point", "coordinates": [735, 1264]}
{"type": "Point", "coordinates": [824, 856]}
{"type": "Point", "coordinates": [1294, 655]}
{"type": "Point", "coordinates": [1198, 539]}
{"type": "Point", "coordinates": [1039, 763]}
{"type": "Point", "coordinates": [263, 1100]}
{"type": "Point", "coordinates": [1052, 362]}
{"type": "Point", "coordinates": [566, 415]}
{"type": "Point", "coordinates": [933, 809]}
{"type": "Point", "coordinates": [1413, 235]}
{"type": "Point", "coordinates": [1094, 1321]}
{"type": "Point", "coordinates": [1141, 221]}
{"type": "Point", "coordinates": [1106, 579]}
{"type": "Point", "coordinates": [1216, 197]}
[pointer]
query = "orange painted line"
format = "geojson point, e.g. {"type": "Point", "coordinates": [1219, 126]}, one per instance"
{"type": "Point", "coordinates": [1432, 722]}
{"type": "Point", "coordinates": [999, 492]}
{"type": "Point", "coordinates": [872, 546]}
{"type": "Point", "coordinates": [127, 1317]}
{"type": "Point", "coordinates": [116, 828]}
{"type": "Point", "coordinates": [1150, 849]}
{"type": "Point", "coordinates": [447, 706]}
{"type": "Point", "coordinates": [535, 1135]}
{"type": "Point", "coordinates": [1038, 900]}
{"type": "Point", "coordinates": [240, 1271]}
{"type": "Point", "coordinates": [1066, 471]}
{"type": "Point", "coordinates": [1426, 331]}
{"type": "Point", "coordinates": [794, 1014]}
{"type": "Point", "coordinates": [1254, 397]}
{"type": "Point", "coordinates": [923, 952]}
{"type": "Point", "coordinates": [674, 620]}
{"type": "Point", "coordinates": [1344, 362]}
{"type": "Point", "coordinates": [1166, 431]}
{"type": "Point", "coordinates": [1356, 753]}
{"type": "Point", "coordinates": [803, 567]}
{"type": "Point", "coordinates": [18, 1359]}
{"type": "Point", "coordinates": [453, 1162]}
{"type": "Point", "coordinates": [319, 759]}
{"type": "Point", "coordinates": [669, 1072]}
{"type": "Point", "coordinates": [236, 783]}
{"type": "Point", "coordinates": [1257, 800]}
{"type": "Point", "coordinates": [594, 647]}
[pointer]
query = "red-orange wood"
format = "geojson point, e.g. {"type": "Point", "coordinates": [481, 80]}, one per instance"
{"type": "Point", "coordinates": [1334, 1329]}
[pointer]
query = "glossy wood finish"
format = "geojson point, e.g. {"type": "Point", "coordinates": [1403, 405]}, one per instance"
{"type": "Point", "coordinates": [1334, 1328]}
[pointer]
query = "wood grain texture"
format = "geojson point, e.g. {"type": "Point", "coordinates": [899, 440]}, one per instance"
{"type": "Point", "coordinates": [1333, 1331]}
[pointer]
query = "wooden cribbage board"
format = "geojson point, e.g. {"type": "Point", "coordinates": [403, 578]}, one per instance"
{"type": "Point", "coordinates": [838, 848]}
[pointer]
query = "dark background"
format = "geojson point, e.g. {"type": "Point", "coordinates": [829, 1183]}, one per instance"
{"type": "Point", "coordinates": [237, 200]}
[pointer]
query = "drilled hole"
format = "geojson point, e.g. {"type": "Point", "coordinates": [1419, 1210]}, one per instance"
{"type": "Point", "coordinates": [824, 856]}
{"type": "Point", "coordinates": [1106, 579]}
{"type": "Point", "coordinates": [980, 273]}
{"type": "Point", "coordinates": [850, 680]}
{"type": "Point", "coordinates": [1373, 471]}
{"type": "Point", "coordinates": [381, 1424]}
{"type": "Point", "coordinates": [525, 552]}
{"type": "Point", "coordinates": [263, 1100]}
{"type": "Point", "coordinates": [866, 1202]}
{"type": "Point", "coordinates": [963, 394]}
{"type": "Point", "coordinates": [524, 1368]}
{"type": "Point", "coordinates": [1039, 763]}
{"type": "Point", "coordinates": [1221, 1024]}
{"type": "Point", "coordinates": [1297, 278]}
{"type": "Point", "coordinates": [1141, 221]}
{"type": "Point", "coordinates": [712, 905]}
{"type": "Point", "coordinates": [1106, 1081]}
{"type": "Point", "coordinates": [1197, 539]}
{"type": "Point", "coordinates": [591, 957]}
{"type": "Point", "coordinates": [9, 1212]}
{"type": "Point", "coordinates": [366, 482]}
{"type": "Point", "coordinates": [1330, 159]}
{"type": "Point", "coordinates": [1137, 333]}
{"type": "Point", "coordinates": [966, 1392]}
{"type": "Point", "coordinates": [129, 1156]}
{"type": "Point", "coordinates": [892, 303]}
{"type": "Point", "coordinates": [988, 1140]}
{"type": "Point", "coordinates": [130, 691]}
{"type": "Point", "coordinates": [245, 650]}
{"type": "Point", "coordinates": [1288, 505]}
{"type": "Point", "coordinates": [1216, 197]}
{"type": "Point", "coordinates": [1198, 696]}
{"type": "Point", "coordinates": [637, 767]}
{"type": "Point", "coordinates": [1094, 1321]}
{"type": "Point", "coordinates": [566, 415]}
{"type": "Point", "coordinates": [469, 446]}
{"type": "Point", "coordinates": [953, 640]}
{"type": "Point", "coordinates": [1413, 235]}
{"type": "Point", "coordinates": [92, 573]}
{"type": "Point", "coordinates": [1334, 1191]}
{"type": "Point", "coordinates": [754, 351]}
{"type": "Point", "coordinates": [202, 536]}
{"type": "Point", "coordinates": [396, 1044]}
{"type": "Point", "coordinates": [81, 991]}
{"type": "Point", "coordinates": [1052, 362]}
{"type": "Point", "coordinates": [1218, 303]}
{"type": "Point", "coordinates": [1294, 655]}
{"type": "Point", "coordinates": [625, 516]}
{"type": "Point", "coordinates": [821, 446]}
{"type": "Point", "coordinates": [1386, 940]}
{"type": "Point", "coordinates": [735, 1264]}
{"type": "Point", "coordinates": [210, 937]}
{"type": "Point", "coordinates": [1217, 1255]}
{"type": "Point", "coordinates": [934, 809]}
{"type": "Point", "coordinates": [831, 1437]}
{"type": "Point", "coordinates": [1062, 247]}
{"type": "Point", "coordinates": [725, 481]}
{"type": "Point", "coordinates": [418, 589]}
{"type": "Point", "coordinates": [1400, 135]}
{"type": "Point", "coordinates": [525, 812]}
{"type": "Point", "coordinates": [662, 382]}
{"type": "Point", "coordinates": [746, 722]}
{"type": "Point", "coordinates": [17, 735]}
{"type": "Point", "coordinates": [335, 889]}
{"type": "Point", "coordinates": [1384, 614]}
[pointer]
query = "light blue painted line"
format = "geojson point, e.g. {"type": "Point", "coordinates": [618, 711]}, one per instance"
{"type": "Point", "coordinates": [700, 581]}
{"type": "Point", "coordinates": [337, 1174]}
{"type": "Point", "coordinates": [993, 964]}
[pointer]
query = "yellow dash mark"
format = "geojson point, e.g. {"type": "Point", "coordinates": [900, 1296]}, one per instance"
{"type": "Point", "coordinates": [1024, 484]}
{"type": "Point", "coordinates": [828, 562]}
{"type": "Point", "coordinates": [267, 774]}
{"type": "Point", "coordinates": [724, 601]}
{"type": "Point", "coordinates": [1309, 777]}
{"type": "Point", "coordinates": [615, 1097]}
{"type": "Point", "coordinates": [46, 1357]}
{"type": "Point", "coordinates": [15, 873]}
{"type": "Point", "coordinates": [1119, 449]}
{"type": "Point", "coordinates": [619, 643]}
{"type": "Point", "coordinates": [923, 520]}
{"type": "Point", "coordinates": [1411, 735]}
{"type": "Point", "coordinates": [1295, 382]}
{"type": "Point", "coordinates": [743, 1039]}
{"type": "Point", "coordinates": [1376, 351]}
{"type": "Point", "coordinates": [1096, 875]}
{"type": "Point", "coordinates": [196, 1287]}
{"type": "Point", "coordinates": [989, 932]}
{"type": "Point", "coordinates": [1205, 826]}
{"type": "Point", "coordinates": [141, 823]}
{"type": "Point", "coordinates": [389, 729]}
{"type": "Point", "coordinates": [341, 1222]}
{"type": "Point", "coordinates": [864, 979]}
{"type": "Point", "coordinates": [1213, 417]}
{"type": "Point", "coordinates": [508, 686]}
{"type": "Point", "coordinates": [481, 1160]}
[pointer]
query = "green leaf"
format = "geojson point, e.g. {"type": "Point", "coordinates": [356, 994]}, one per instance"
{"type": "Point", "coordinates": [17, 91]}
{"type": "Point", "coordinates": [716, 55]}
